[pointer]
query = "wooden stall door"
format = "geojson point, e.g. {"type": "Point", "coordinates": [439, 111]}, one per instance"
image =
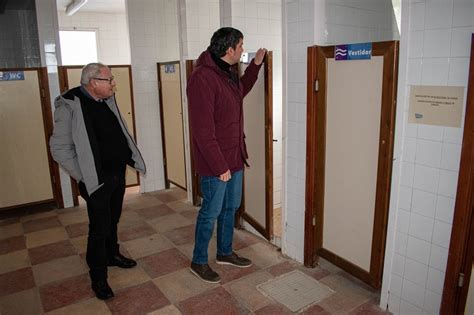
{"type": "Point", "coordinates": [25, 163]}
{"type": "Point", "coordinates": [351, 108]}
{"type": "Point", "coordinates": [172, 132]}
{"type": "Point", "coordinates": [257, 202]}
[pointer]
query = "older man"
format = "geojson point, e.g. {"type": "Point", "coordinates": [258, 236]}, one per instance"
{"type": "Point", "coordinates": [91, 142]}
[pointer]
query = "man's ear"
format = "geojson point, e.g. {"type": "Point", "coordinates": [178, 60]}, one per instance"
{"type": "Point", "coordinates": [229, 51]}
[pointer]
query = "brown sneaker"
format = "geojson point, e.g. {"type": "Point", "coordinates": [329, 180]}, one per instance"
{"type": "Point", "coordinates": [205, 273]}
{"type": "Point", "coordinates": [234, 260]}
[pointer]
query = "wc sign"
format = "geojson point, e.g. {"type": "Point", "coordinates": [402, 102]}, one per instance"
{"type": "Point", "coordinates": [353, 51]}
{"type": "Point", "coordinates": [12, 75]}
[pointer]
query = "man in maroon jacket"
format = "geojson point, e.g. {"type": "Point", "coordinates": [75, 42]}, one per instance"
{"type": "Point", "coordinates": [215, 99]}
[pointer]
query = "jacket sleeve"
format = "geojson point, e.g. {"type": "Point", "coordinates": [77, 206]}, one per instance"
{"type": "Point", "coordinates": [61, 144]}
{"type": "Point", "coordinates": [250, 76]}
{"type": "Point", "coordinates": [201, 117]}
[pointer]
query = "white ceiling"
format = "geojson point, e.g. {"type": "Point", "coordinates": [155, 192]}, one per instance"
{"type": "Point", "coordinates": [102, 6]}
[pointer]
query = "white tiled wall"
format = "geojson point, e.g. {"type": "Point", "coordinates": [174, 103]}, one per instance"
{"type": "Point", "coordinates": [436, 45]}
{"type": "Point", "coordinates": [299, 22]}
{"type": "Point", "coordinates": [260, 22]}
{"type": "Point", "coordinates": [360, 21]}
{"type": "Point", "coordinates": [148, 24]}
{"type": "Point", "coordinates": [50, 56]}
{"type": "Point", "coordinates": [113, 45]}
{"type": "Point", "coordinates": [199, 20]}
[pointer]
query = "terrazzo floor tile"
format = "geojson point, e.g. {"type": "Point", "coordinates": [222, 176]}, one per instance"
{"type": "Point", "coordinates": [70, 216]}
{"type": "Point", "coordinates": [167, 310]}
{"type": "Point", "coordinates": [59, 269]}
{"type": "Point", "coordinates": [230, 273]}
{"type": "Point", "coordinates": [129, 219]}
{"type": "Point", "coordinates": [142, 201]}
{"type": "Point", "coordinates": [273, 309]}
{"type": "Point", "coordinates": [245, 290]}
{"type": "Point", "coordinates": [316, 272]}
{"type": "Point", "coordinates": [262, 255]}
{"type": "Point", "coordinates": [51, 251]}
{"type": "Point", "coordinates": [14, 261]}
{"type": "Point", "coordinates": [281, 268]}
{"type": "Point", "coordinates": [11, 230]}
{"type": "Point", "coordinates": [213, 302]}
{"type": "Point", "coordinates": [169, 222]}
{"type": "Point", "coordinates": [137, 231]}
{"type": "Point", "coordinates": [190, 214]}
{"type": "Point", "coordinates": [164, 262]}
{"type": "Point", "coordinates": [349, 296]}
{"type": "Point", "coordinates": [39, 215]}
{"type": "Point", "coordinates": [119, 278]}
{"type": "Point", "coordinates": [181, 285]}
{"type": "Point", "coordinates": [15, 281]}
{"type": "Point", "coordinates": [12, 244]}
{"type": "Point", "coordinates": [86, 307]}
{"type": "Point", "coordinates": [180, 205]}
{"type": "Point", "coordinates": [146, 246]}
{"type": "Point", "coordinates": [182, 235]}
{"type": "Point", "coordinates": [44, 237]}
{"type": "Point", "coordinates": [155, 211]}
{"type": "Point", "coordinates": [139, 299]}
{"type": "Point", "coordinates": [166, 197]}
{"type": "Point", "coordinates": [41, 224]}
{"type": "Point", "coordinates": [66, 292]}
{"type": "Point", "coordinates": [369, 308]}
{"type": "Point", "coordinates": [23, 302]}
{"type": "Point", "coordinates": [77, 229]}
{"type": "Point", "coordinates": [315, 309]}
{"type": "Point", "coordinates": [80, 244]}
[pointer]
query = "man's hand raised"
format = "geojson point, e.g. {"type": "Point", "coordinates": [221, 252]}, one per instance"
{"type": "Point", "coordinates": [259, 56]}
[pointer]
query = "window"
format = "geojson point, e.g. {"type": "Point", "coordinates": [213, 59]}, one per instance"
{"type": "Point", "coordinates": [78, 47]}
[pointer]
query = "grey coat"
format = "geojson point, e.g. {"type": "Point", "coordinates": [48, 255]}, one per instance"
{"type": "Point", "coordinates": [70, 143]}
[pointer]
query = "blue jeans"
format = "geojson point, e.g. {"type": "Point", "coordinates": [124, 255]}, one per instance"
{"type": "Point", "coordinates": [220, 201]}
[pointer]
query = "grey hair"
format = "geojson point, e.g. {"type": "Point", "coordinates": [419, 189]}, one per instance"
{"type": "Point", "coordinates": [91, 70]}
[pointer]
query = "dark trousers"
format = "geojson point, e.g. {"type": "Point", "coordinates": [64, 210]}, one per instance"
{"type": "Point", "coordinates": [104, 207]}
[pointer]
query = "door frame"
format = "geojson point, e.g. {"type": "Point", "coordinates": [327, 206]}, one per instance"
{"type": "Point", "coordinates": [461, 248]}
{"type": "Point", "coordinates": [315, 161]}
{"type": "Point", "coordinates": [196, 191]}
{"type": "Point", "coordinates": [46, 111]}
{"type": "Point", "coordinates": [64, 86]}
{"type": "Point", "coordinates": [163, 140]}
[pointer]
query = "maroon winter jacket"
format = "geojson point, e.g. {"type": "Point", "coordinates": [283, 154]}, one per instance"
{"type": "Point", "coordinates": [216, 116]}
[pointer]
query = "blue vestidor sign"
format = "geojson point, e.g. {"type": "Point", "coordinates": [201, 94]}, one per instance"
{"type": "Point", "coordinates": [353, 51]}
{"type": "Point", "coordinates": [12, 75]}
{"type": "Point", "coordinates": [169, 69]}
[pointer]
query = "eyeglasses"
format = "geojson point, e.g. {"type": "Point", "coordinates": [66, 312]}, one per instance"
{"type": "Point", "coordinates": [104, 79]}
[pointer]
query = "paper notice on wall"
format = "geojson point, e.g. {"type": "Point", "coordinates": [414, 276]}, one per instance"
{"type": "Point", "coordinates": [436, 105]}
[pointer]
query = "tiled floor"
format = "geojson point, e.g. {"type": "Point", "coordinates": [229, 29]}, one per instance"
{"type": "Point", "coordinates": [42, 267]}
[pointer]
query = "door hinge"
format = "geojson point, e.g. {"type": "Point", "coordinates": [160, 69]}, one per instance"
{"type": "Point", "coordinates": [42, 93]}
{"type": "Point", "coordinates": [314, 220]}
{"type": "Point", "coordinates": [54, 179]}
{"type": "Point", "coordinates": [461, 280]}
{"type": "Point", "coordinates": [316, 85]}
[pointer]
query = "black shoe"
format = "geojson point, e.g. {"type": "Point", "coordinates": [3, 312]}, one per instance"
{"type": "Point", "coordinates": [102, 290]}
{"type": "Point", "coordinates": [205, 273]}
{"type": "Point", "coordinates": [121, 261]}
{"type": "Point", "coordinates": [234, 260]}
